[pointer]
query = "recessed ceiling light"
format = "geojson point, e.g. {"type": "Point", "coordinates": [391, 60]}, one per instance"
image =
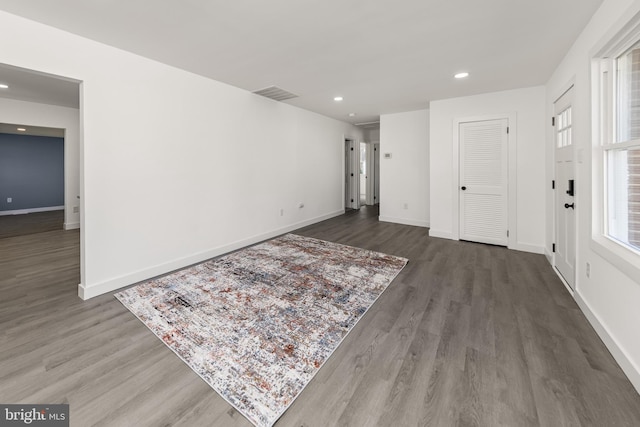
{"type": "Point", "coordinates": [338, 98]}
{"type": "Point", "coordinates": [461, 75]}
{"type": "Point", "coordinates": [21, 130]}
{"type": "Point", "coordinates": [4, 86]}
{"type": "Point", "coordinates": [352, 114]}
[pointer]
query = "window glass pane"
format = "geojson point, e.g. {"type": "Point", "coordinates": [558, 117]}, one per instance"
{"type": "Point", "coordinates": [628, 95]}
{"type": "Point", "coordinates": [564, 128]}
{"type": "Point", "coordinates": [623, 185]}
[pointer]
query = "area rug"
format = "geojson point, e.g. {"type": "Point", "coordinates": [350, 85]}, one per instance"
{"type": "Point", "coordinates": [259, 323]}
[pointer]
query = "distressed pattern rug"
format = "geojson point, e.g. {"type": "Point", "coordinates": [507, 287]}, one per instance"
{"type": "Point", "coordinates": [257, 324]}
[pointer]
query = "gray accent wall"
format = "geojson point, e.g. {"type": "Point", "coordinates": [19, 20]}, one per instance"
{"type": "Point", "coordinates": [31, 172]}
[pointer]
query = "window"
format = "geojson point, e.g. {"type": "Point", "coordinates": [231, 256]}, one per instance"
{"type": "Point", "coordinates": [616, 149]}
{"type": "Point", "coordinates": [563, 136]}
{"type": "Point", "coordinates": [621, 149]}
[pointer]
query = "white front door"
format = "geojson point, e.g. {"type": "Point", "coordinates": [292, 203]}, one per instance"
{"type": "Point", "coordinates": [484, 181]}
{"type": "Point", "coordinates": [565, 189]}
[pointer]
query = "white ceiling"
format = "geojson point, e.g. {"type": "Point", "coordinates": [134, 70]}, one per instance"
{"type": "Point", "coordinates": [26, 85]}
{"type": "Point", "coordinates": [382, 56]}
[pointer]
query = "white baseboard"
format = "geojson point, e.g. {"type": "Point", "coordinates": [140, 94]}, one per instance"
{"type": "Point", "coordinates": [403, 221]}
{"type": "Point", "coordinates": [630, 369]}
{"type": "Point", "coordinates": [549, 256]}
{"type": "Point", "coordinates": [564, 282]}
{"type": "Point", "coordinates": [86, 292]}
{"type": "Point", "coordinates": [32, 210]}
{"type": "Point", "coordinates": [525, 247]}
{"type": "Point", "coordinates": [71, 225]}
{"type": "Point", "coordinates": [441, 234]}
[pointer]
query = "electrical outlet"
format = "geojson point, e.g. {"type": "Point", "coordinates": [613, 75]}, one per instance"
{"type": "Point", "coordinates": [588, 270]}
{"type": "Point", "coordinates": [76, 209]}
{"type": "Point", "coordinates": [406, 205]}
{"type": "Point", "coordinates": [9, 199]}
{"type": "Point", "coordinates": [281, 212]}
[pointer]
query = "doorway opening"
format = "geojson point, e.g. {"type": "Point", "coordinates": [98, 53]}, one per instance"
{"type": "Point", "coordinates": [369, 172]}
{"type": "Point", "coordinates": [32, 189]}
{"type": "Point", "coordinates": [40, 99]}
{"type": "Point", "coordinates": [364, 187]}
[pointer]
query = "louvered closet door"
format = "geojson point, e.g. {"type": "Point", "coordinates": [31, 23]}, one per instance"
{"type": "Point", "coordinates": [483, 181]}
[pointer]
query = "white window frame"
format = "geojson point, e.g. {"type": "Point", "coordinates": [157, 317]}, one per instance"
{"type": "Point", "coordinates": [603, 94]}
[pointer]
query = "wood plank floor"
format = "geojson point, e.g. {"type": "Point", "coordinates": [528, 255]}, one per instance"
{"type": "Point", "coordinates": [37, 222]}
{"type": "Point", "coordinates": [467, 335]}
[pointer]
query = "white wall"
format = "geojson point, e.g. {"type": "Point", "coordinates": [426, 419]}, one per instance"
{"type": "Point", "coordinates": [404, 178]}
{"type": "Point", "coordinates": [33, 114]}
{"type": "Point", "coordinates": [178, 168]}
{"type": "Point", "coordinates": [610, 299]}
{"type": "Point", "coordinates": [372, 135]}
{"type": "Point", "coordinates": [526, 107]}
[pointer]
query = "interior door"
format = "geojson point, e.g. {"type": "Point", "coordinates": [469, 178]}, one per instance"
{"type": "Point", "coordinates": [351, 176]}
{"type": "Point", "coordinates": [565, 189]}
{"type": "Point", "coordinates": [376, 173]}
{"type": "Point", "coordinates": [484, 181]}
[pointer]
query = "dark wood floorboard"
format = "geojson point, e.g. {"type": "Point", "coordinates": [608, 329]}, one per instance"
{"type": "Point", "coordinates": [467, 335]}
{"type": "Point", "coordinates": [37, 222]}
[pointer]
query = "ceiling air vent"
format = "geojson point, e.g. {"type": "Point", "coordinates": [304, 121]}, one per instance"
{"type": "Point", "coordinates": [275, 93]}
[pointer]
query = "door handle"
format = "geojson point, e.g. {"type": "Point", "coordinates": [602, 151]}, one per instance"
{"type": "Point", "coordinates": [463, 188]}
{"type": "Point", "coordinates": [570, 189]}
{"type": "Point", "coordinates": [567, 205]}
